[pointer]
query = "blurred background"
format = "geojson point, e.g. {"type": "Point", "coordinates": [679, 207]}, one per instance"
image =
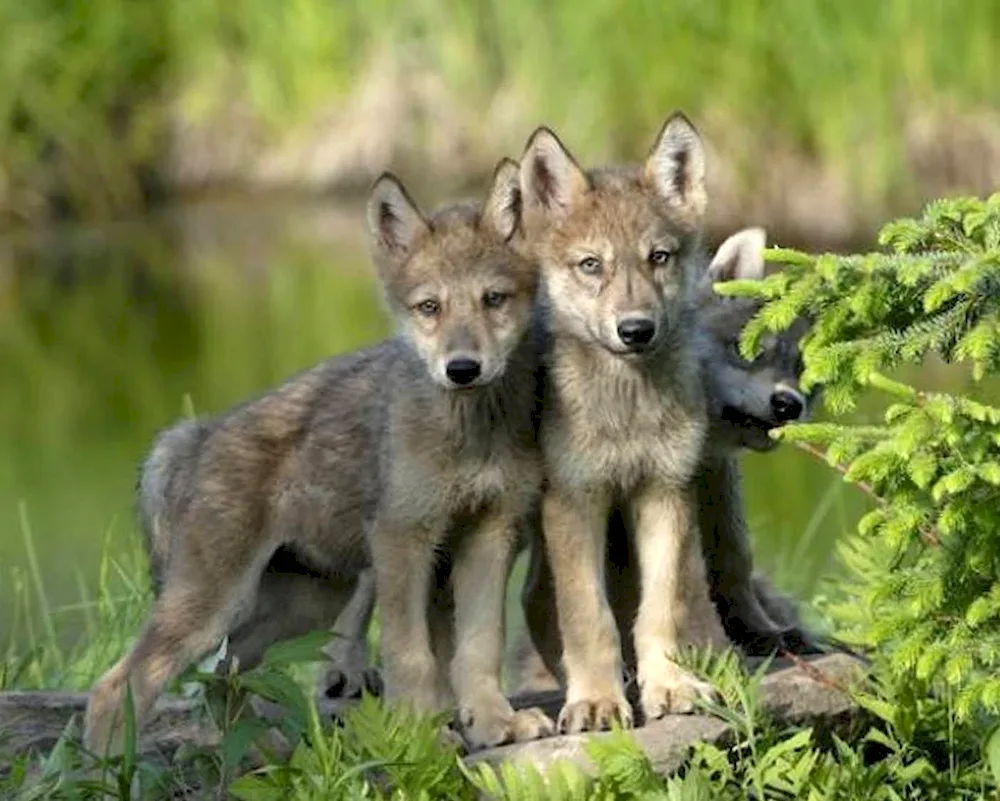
{"type": "Point", "coordinates": [181, 187]}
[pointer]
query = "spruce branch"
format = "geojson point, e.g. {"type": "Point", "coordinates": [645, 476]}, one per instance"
{"type": "Point", "coordinates": [928, 535]}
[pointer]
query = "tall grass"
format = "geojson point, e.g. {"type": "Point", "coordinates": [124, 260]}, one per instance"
{"type": "Point", "coordinates": [91, 88]}
{"type": "Point", "coordinates": [45, 645]}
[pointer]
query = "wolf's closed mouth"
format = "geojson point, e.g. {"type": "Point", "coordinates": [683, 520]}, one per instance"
{"type": "Point", "coordinates": [738, 417]}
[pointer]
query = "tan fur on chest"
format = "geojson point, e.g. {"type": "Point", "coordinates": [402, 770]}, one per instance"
{"type": "Point", "coordinates": [609, 424]}
{"type": "Point", "coordinates": [438, 469]}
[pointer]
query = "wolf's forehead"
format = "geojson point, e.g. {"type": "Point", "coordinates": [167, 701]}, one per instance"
{"type": "Point", "coordinates": [725, 317]}
{"type": "Point", "coordinates": [469, 260]}
{"type": "Point", "coordinates": [624, 212]}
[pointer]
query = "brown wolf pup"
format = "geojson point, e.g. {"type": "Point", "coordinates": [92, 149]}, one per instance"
{"type": "Point", "coordinates": [624, 416]}
{"type": "Point", "coordinates": [745, 400]}
{"type": "Point", "coordinates": [382, 457]}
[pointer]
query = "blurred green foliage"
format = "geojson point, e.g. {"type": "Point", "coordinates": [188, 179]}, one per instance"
{"type": "Point", "coordinates": [92, 87]}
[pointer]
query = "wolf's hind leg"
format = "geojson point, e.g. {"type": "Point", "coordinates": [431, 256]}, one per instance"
{"type": "Point", "coordinates": [288, 605]}
{"type": "Point", "coordinates": [196, 608]}
{"type": "Point", "coordinates": [351, 672]}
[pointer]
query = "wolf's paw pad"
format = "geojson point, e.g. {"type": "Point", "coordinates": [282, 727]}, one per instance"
{"type": "Point", "coordinates": [594, 715]}
{"type": "Point", "coordinates": [678, 696]}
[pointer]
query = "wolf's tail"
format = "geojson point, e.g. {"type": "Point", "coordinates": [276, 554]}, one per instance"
{"type": "Point", "coordinates": [161, 483]}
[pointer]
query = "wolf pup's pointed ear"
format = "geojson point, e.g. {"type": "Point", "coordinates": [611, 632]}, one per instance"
{"type": "Point", "coordinates": [740, 257]}
{"type": "Point", "coordinates": [551, 180]}
{"type": "Point", "coordinates": [395, 225]}
{"type": "Point", "coordinates": [502, 210]}
{"type": "Point", "coordinates": [676, 167]}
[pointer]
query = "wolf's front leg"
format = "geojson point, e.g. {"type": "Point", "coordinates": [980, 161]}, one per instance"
{"type": "Point", "coordinates": [726, 546]}
{"type": "Point", "coordinates": [481, 568]}
{"type": "Point", "coordinates": [575, 527]}
{"type": "Point", "coordinates": [675, 607]}
{"type": "Point", "coordinates": [403, 557]}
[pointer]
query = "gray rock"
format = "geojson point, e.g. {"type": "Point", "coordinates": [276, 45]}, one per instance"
{"type": "Point", "coordinates": [812, 691]}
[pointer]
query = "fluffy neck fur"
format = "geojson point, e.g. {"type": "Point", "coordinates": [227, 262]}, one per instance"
{"type": "Point", "coordinates": [472, 421]}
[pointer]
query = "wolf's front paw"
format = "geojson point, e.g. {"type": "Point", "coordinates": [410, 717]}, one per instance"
{"type": "Point", "coordinates": [801, 642]}
{"type": "Point", "coordinates": [487, 725]}
{"type": "Point", "coordinates": [532, 724]}
{"type": "Point", "coordinates": [595, 714]}
{"type": "Point", "coordinates": [495, 723]}
{"type": "Point", "coordinates": [673, 692]}
{"type": "Point", "coordinates": [348, 683]}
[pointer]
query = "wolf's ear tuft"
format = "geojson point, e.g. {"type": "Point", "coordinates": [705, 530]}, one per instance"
{"type": "Point", "coordinates": [551, 180]}
{"type": "Point", "coordinates": [740, 257]}
{"type": "Point", "coordinates": [394, 222]}
{"type": "Point", "coordinates": [502, 210]}
{"type": "Point", "coordinates": [676, 167]}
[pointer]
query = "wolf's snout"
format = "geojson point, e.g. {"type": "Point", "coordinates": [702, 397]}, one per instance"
{"type": "Point", "coordinates": [786, 405]}
{"type": "Point", "coordinates": [463, 371]}
{"type": "Point", "coordinates": [636, 331]}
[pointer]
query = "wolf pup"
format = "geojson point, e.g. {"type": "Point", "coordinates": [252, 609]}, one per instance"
{"type": "Point", "coordinates": [624, 417]}
{"type": "Point", "coordinates": [745, 400]}
{"type": "Point", "coordinates": [380, 457]}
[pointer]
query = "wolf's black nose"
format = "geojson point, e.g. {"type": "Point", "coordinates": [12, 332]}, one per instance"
{"type": "Point", "coordinates": [635, 331]}
{"type": "Point", "coordinates": [787, 406]}
{"type": "Point", "coordinates": [463, 371]}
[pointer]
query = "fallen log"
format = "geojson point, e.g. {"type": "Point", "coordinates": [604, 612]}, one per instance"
{"type": "Point", "coordinates": [810, 691]}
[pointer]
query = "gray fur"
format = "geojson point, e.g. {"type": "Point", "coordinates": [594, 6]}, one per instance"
{"type": "Point", "coordinates": [374, 458]}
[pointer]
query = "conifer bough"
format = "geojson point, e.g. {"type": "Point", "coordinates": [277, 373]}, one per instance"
{"type": "Point", "coordinates": [926, 562]}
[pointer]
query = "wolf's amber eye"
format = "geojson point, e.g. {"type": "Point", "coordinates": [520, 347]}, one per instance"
{"type": "Point", "coordinates": [494, 300]}
{"type": "Point", "coordinates": [659, 257]}
{"type": "Point", "coordinates": [590, 266]}
{"type": "Point", "coordinates": [428, 308]}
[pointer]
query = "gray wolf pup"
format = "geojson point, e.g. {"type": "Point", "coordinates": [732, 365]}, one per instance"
{"type": "Point", "coordinates": [423, 443]}
{"type": "Point", "coordinates": [745, 400]}
{"type": "Point", "coordinates": [624, 417]}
